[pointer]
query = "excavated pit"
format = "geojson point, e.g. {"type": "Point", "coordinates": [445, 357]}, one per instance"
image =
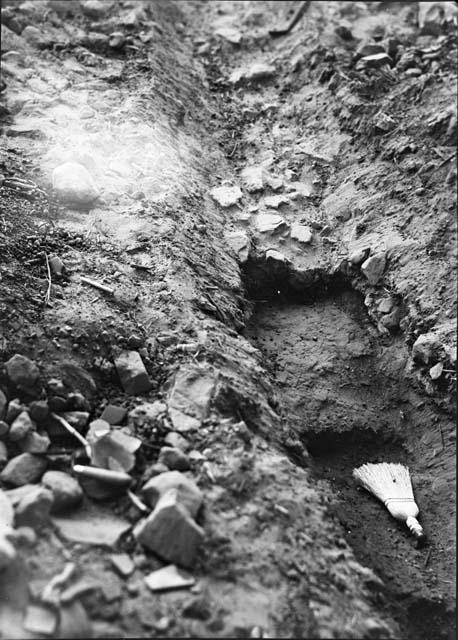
{"type": "Point", "coordinates": [343, 390]}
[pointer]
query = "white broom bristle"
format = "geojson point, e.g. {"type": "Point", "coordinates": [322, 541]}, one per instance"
{"type": "Point", "coordinates": [386, 480]}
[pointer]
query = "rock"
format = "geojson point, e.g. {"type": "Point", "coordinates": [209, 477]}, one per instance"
{"type": "Point", "coordinates": [66, 491]}
{"type": "Point", "coordinates": [3, 454]}
{"type": "Point", "coordinates": [20, 427]}
{"type": "Point", "coordinates": [56, 265]}
{"type": "Point", "coordinates": [433, 16]}
{"type": "Point", "coordinates": [175, 439]}
{"type": "Point", "coordinates": [57, 404]}
{"type": "Point", "coordinates": [147, 414]}
{"type": "Point", "coordinates": [77, 402]}
{"type": "Point", "coordinates": [275, 201]}
{"type": "Point", "coordinates": [190, 397]}
{"type": "Point", "coordinates": [77, 419]}
{"type": "Point", "coordinates": [374, 267]}
{"type": "Point", "coordinates": [276, 256]}
{"type": "Point", "coordinates": [174, 458]}
{"type": "Point", "coordinates": [301, 233]}
{"type": "Point", "coordinates": [113, 414]}
{"type": "Point", "coordinates": [39, 411]}
{"type": "Point", "coordinates": [189, 494]}
{"type": "Point", "coordinates": [92, 525]}
{"type": "Point", "coordinates": [391, 320]}
{"type": "Point", "coordinates": [375, 61]}
{"type": "Point", "coordinates": [34, 443]}
{"type": "Point", "coordinates": [270, 223]}
{"type": "Point", "coordinates": [114, 450]}
{"type": "Point", "coordinates": [197, 608]}
{"type": "Point", "coordinates": [132, 373]}
{"type": "Point", "coordinates": [239, 242]}
{"type": "Point", "coordinates": [4, 428]}
{"type": "Point", "coordinates": [22, 372]}
{"type": "Point", "coordinates": [3, 404]}
{"type": "Point", "coordinates": [56, 387]}
{"type": "Point", "coordinates": [253, 178]}
{"type": "Point", "coordinates": [40, 619]}
{"type": "Point", "coordinates": [385, 305]}
{"type": "Point", "coordinates": [96, 8]}
{"type": "Point", "coordinates": [358, 256]}
{"type": "Point", "coordinates": [15, 407]}
{"type": "Point", "coordinates": [436, 371]}
{"type": "Point", "coordinates": [33, 508]}
{"type": "Point", "coordinates": [77, 379]}
{"type": "Point", "coordinates": [170, 531]}
{"type": "Point", "coordinates": [170, 577]}
{"type": "Point", "coordinates": [10, 41]}
{"type": "Point", "coordinates": [369, 49]}
{"type": "Point", "coordinates": [36, 37]}
{"type": "Point", "coordinates": [117, 40]}
{"type": "Point", "coordinates": [256, 71]}
{"type": "Point", "coordinates": [23, 469]}
{"type": "Point", "coordinates": [122, 563]}
{"type": "Point", "coordinates": [344, 32]}
{"type": "Point", "coordinates": [230, 34]}
{"type": "Point", "coordinates": [426, 348]}
{"type": "Point", "coordinates": [74, 184]}
{"type": "Point", "coordinates": [226, 196]}
{"type": "Point", "coordinates": [154, 470]}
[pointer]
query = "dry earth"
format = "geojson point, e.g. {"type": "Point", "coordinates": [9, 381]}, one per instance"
{"type": "Point", "coordinates": [294, 324]}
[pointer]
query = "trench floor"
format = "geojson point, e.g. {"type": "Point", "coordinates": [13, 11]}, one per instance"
{"type": "Point", "coordinates": [345, 392]}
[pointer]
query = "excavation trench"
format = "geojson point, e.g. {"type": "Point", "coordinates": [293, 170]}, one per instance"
{"type": "Point", "coordinates": [344, 391]}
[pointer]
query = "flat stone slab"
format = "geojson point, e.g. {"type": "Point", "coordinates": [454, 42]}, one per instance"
{"type": "Point", "coordinates": [92, 525]}
{"type": "Point", "coordinates": [170, 577]}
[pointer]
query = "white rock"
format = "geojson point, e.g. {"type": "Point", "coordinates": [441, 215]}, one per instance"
{"type": "Point", "coordinates": [239, 242]}
{"type": "Point", "coordinates": [253, 178]}
{"type": "Point", "coordinates": [374, 267]}
{"type": "Point", "coordinates": [170, 577]}
{"type": "Point", "coordinates": [426, 348]}
{"type": "Point", "coordinates": [301, 233]}
{"type": "Point", "coordinates": [275, 201]}
{"type": "Point", "coordinates": [270, 222]}
{"type": "Point", "coordinates": [226, 196]}
{"type": "Point", "coordinates": [74, 184]}
{"type": "Point", "coordinates": [230, 34]}
{"type": "Point", "coordinates": [436, 371]}
{"type": "Point", "coordinates": [257, 71]}
{"type": "Point", "coordinates": [276, 256]}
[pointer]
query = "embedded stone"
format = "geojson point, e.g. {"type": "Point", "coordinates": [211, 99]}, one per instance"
{"type": "Point", "coordinates": [175, 439]}
{"type": "Point", "coordinates": [132, 373]}
{"type": "Point", "coordinates": [34, 442]}
{"type": "Point", "coordinates": [256, 71]}
{"type": "Point", "coordinates": [170, 531]}
{"type": "Point", "coordinates": [39, 411]}
{"type": "Point", "coordinates": [226, 196]}
{"type": "Point", "coordinates": [188, 493]}
{"type": "Point", "coordinates": [15, 407]}
{"type": "Point", "coordinates": [426, 348]}
{"type": "Point", "coordinates": [301, 233]}
{"type": "Point", "coordinates": [74, 184]}
{"type": "Point", "coordinates": [270, 223]}
{"type": "Point", "coordinates": [253, 178]}
{"type": "Point", "coordinates": [147, 414]}
{"type": "Point", "coordinates": [374, 267]}
{"type": "Point", "coordinates": [32, 505]}
{"type": "Point", "coordinates": [174, 458]}
{"type": "Point", "coordinates": [66, 491]}
{"type": "Point", "coordinates": [22, 371]}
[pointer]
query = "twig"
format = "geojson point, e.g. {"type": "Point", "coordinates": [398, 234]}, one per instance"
{"type": "Point", "coordinates": [74, 432]}
{"type": "Point", "coordinates": [137, 502]}
{"type": "Point", "coordinates": [284, 29]}
{"type": "Point", "coordinates": [97, 285]}
{"type": "Point", "coordinates": [427, 558]}
{"type": "Point", "coordinates": [48, 292]}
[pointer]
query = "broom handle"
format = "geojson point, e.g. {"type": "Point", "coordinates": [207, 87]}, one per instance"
{"type": "Point", "coordinates": [415, 528]}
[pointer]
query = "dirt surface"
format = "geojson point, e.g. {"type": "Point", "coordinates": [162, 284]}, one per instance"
{"type": "Point", "coordinates": [255, 319]}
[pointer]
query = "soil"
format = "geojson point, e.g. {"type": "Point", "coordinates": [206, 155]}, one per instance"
{"type": "Point", "coordinates": [310, 379]}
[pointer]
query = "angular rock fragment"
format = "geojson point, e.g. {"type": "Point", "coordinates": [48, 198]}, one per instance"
{"type": "Point", "coordinates": [230, 34]}
{"type": "Point", "coordinates": [239, 242]}
{"type": "Point", "coordinates": [77, 419]}
{"type": "Point", "coordinates": [270, 223]}
{"type": "Point", "coordinates": [175, 439]}
{"type": "Point", "coordinates": [170, 577]}
{"type": "Point", "coordinates": [77, 379]}
{"type": "Point", "coordinates": [39, 411]}
{"type": "Point", "coordinates": [20, 427]}
{"type": "Point", "coordinates": [22, 371]}
{"type": "Point", "coordinates": [374, 267]}
{"type": "Point", "coordinates": [23, 469]}
{"type": "Point", "coordinates": [256, 71]}
{"type": "Point", "coordinates": [226, 196]}
{"type": "Point", "coordinates": [34, 442]}
{"type": "Point", "coordinates": [188, 493]}
{"type": "Point", "coordinates": [66, 491]}
{"type": "Point", "coordinates": [190, 398]}
{"type": "Point", "coordinates": [253, 178]}
{"type": "Point", "coordinates": [170, 531]}
{"type": "Point", "coordinates": [275, 256]}
{"type": "Point", "coordinates": [113, 414]}
{"type": "Point", "coordinates": [275, 201]}
{"type": "Point", "coordinates": [426, 348]}
{"type": "Point", "coordinates": [92, 525]}
{"type": "Point", "coordinates": [174, 458]}
{"type": "Point", "coordinates": [123, 564]}
{"type": "Point", "coordinates": [40, 620]}
{"type": "Point", "coordinates": [301, 233]}
{"type": "Point", "coordinates": [132, 373]}
{"type": "Point", "coordinates": [74, 184]}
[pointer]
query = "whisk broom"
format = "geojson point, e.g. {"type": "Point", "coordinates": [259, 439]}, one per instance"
{"type": "Point", "coordinates": [390, 483]}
